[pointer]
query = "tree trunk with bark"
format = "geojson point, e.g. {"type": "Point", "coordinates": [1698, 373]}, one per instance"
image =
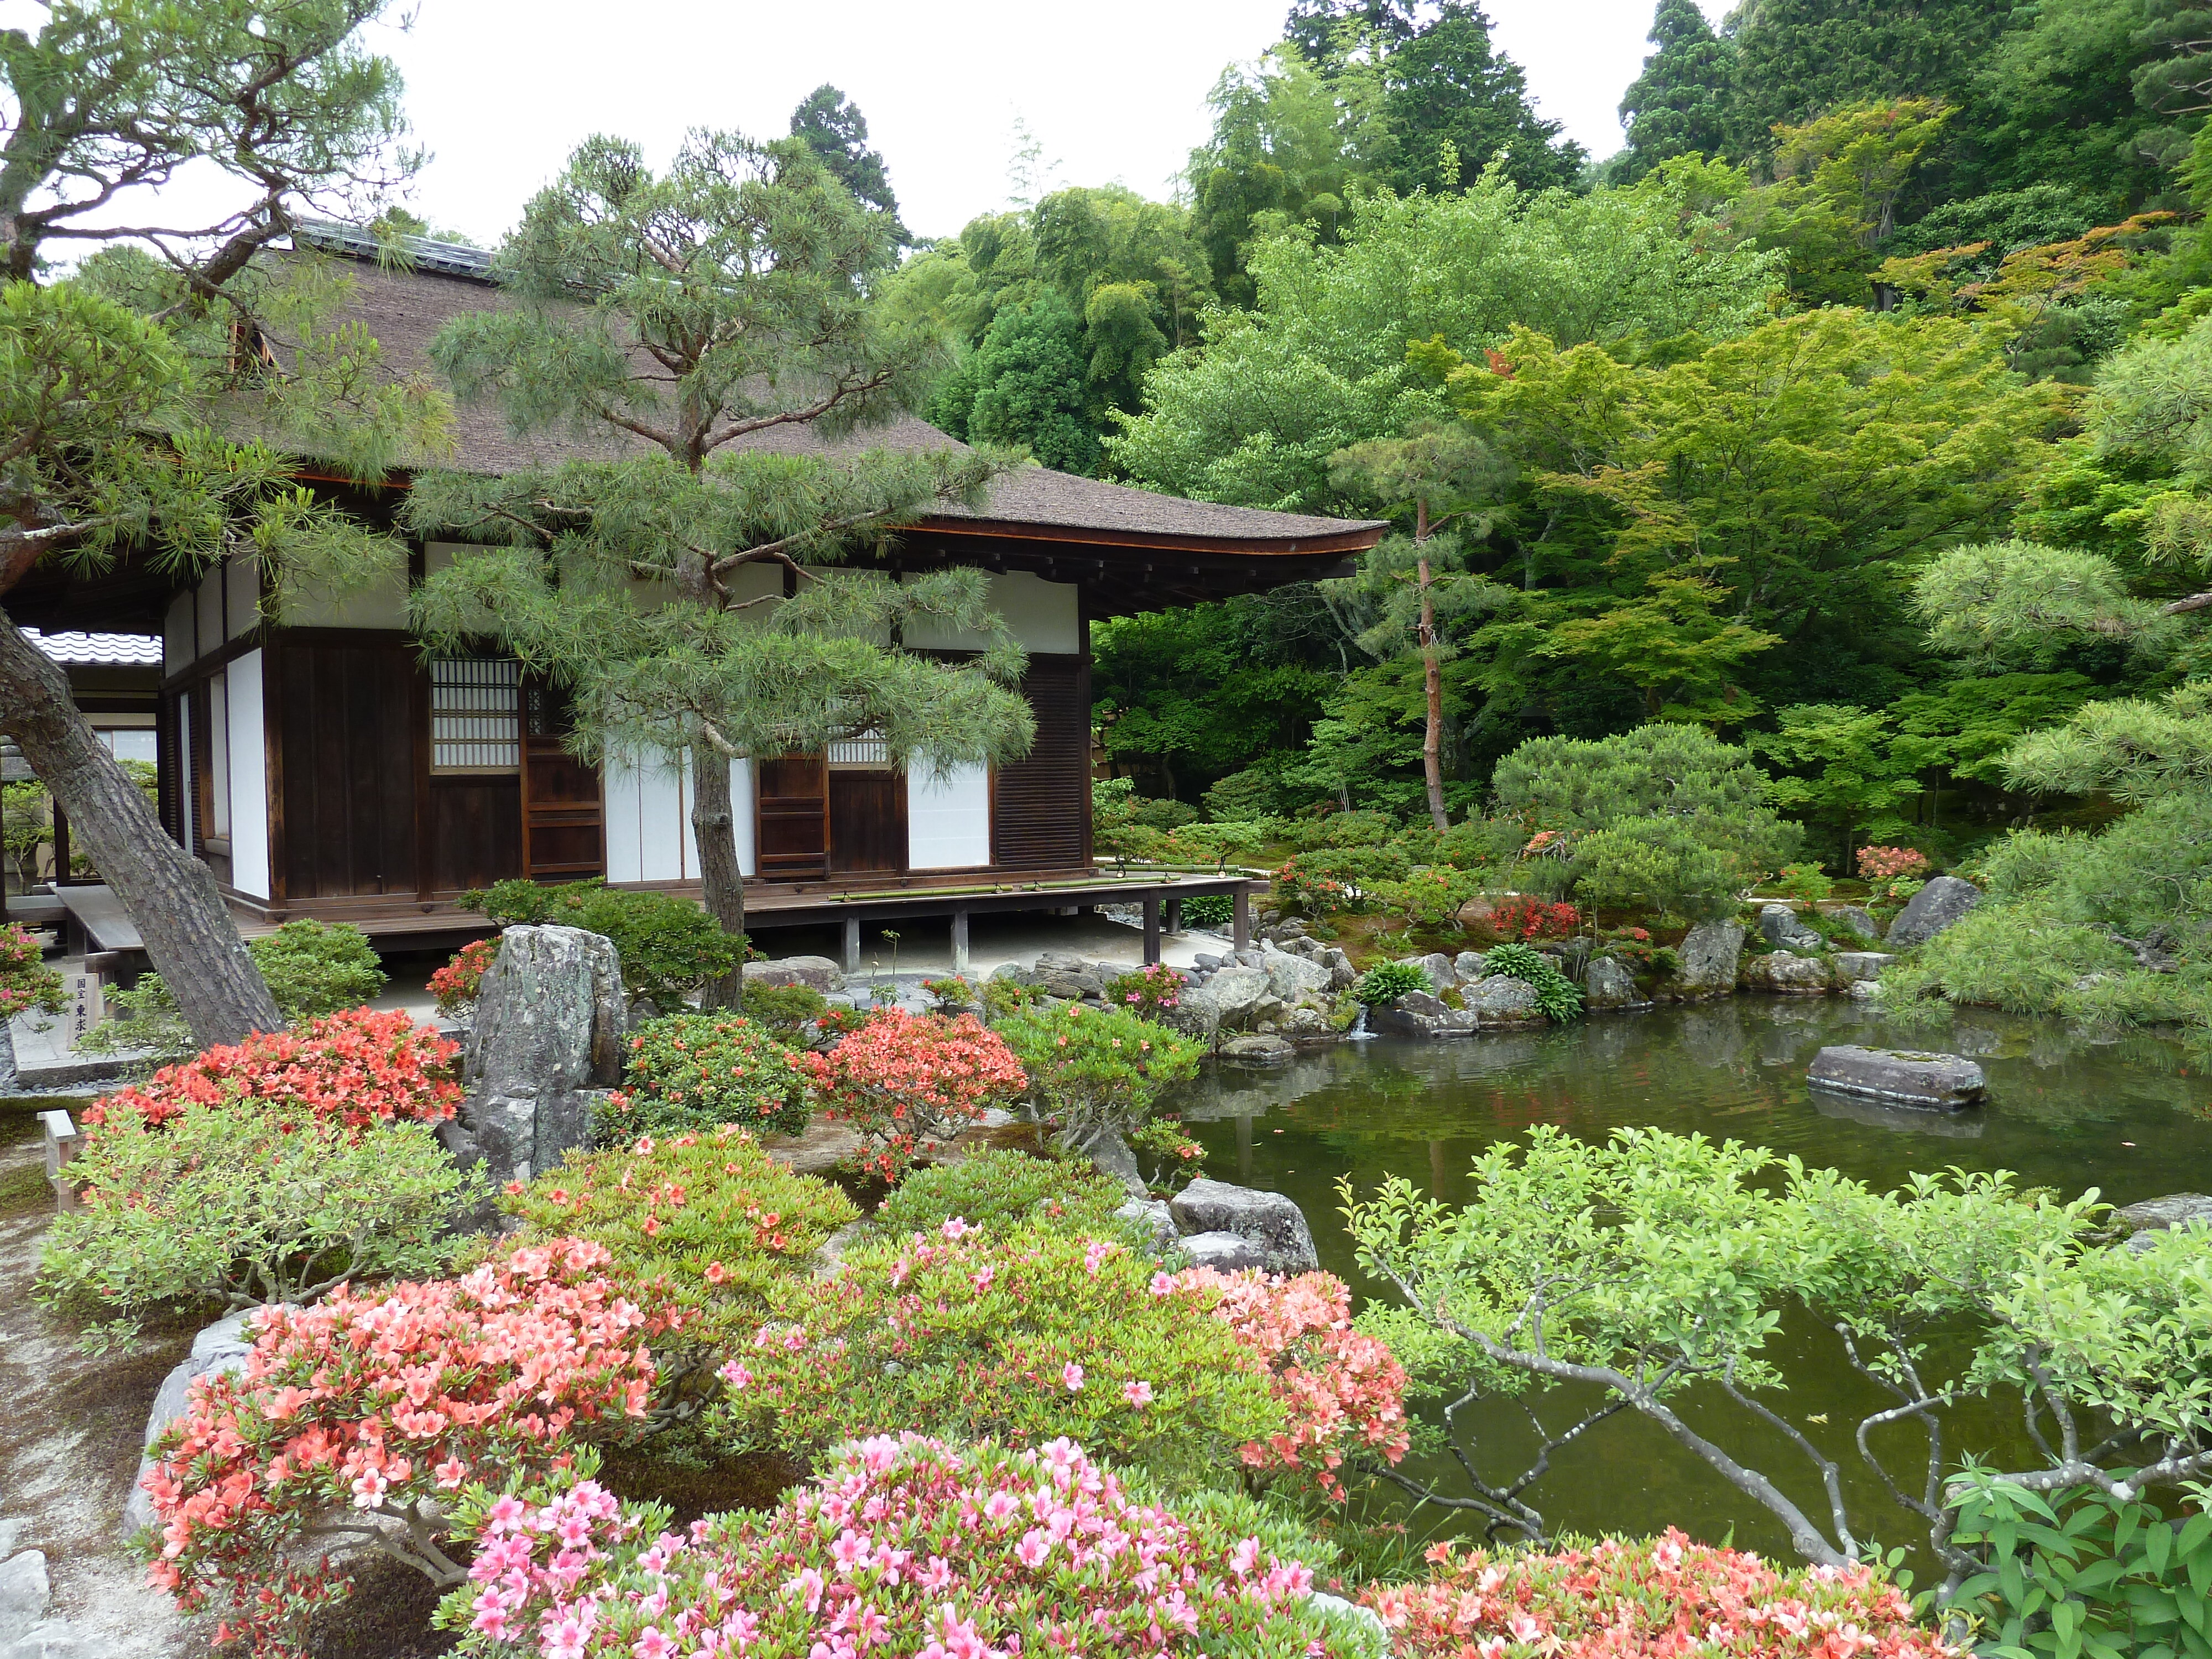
{"type": "Point", "coordinates": [721, 879]}
{"type": "Point", "coordinates": [1432, 679]}
{"type": "Point", "coordinates": [171, 896]}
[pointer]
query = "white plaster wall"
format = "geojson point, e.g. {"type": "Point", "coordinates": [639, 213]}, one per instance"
{"type": "Point", "coordinates": [249, 779]}
{"type": "Point", "coordinates": [177, 651]}
{"type": "Point", "coordinates": [1042, 614]}
{"type": "Point", "coordinates": [209, 608]}
{"type": "Point", "coordinates": [380, 604]}
{"type": "Point", "coordinates": [649, 808]}
{"type": "Point", "coordinates": [245, 596]}
{"type": "Point", "coordinates": [219, 749]}
{"type": "Point", "coordinates": [948, 818]}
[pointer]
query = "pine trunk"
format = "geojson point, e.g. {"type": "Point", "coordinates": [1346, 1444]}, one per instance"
{"type": "Point", "coordinates": [721, 880]}
{"type": "Point", "coordinates": [171, 896]}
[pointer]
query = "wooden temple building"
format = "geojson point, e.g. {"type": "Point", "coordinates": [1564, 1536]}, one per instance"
{"type": "Point", "coordinates": [327, 769]}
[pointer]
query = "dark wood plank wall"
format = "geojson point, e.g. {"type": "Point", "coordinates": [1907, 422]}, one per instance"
{"type": "Point", "coordinates": [1040, 805]}
{"type": "Point", "coordinates": [346, 718]}
{"type": "Point", "coordinates": [867, 822]}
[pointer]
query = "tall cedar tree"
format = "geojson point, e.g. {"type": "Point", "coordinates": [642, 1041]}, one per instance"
{"type": "Point", "coordinates": [834, 130]}
{"type": "Point", "coordinates": [1797, 58]}
{"type": "Point", "coordinates": [703, 324]}
{"type": "Point", "coordinates": [1683, 103]}
{"type": "Point", "coordinates": [1453, 103]}
{"type": "Point", "coordinates": [109, 448]}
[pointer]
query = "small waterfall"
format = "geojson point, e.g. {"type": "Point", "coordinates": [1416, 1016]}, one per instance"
{"type": "Point", "coordinates": [1359, 1033]}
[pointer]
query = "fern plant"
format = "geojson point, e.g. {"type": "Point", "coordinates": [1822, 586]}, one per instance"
{"type": "Point", "coordinates": [1556, 994]}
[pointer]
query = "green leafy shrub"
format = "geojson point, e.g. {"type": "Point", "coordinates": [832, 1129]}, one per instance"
{"type": "Point", "coordinates": [1003, 998]}
{"type": "Point", "coordinates": [2022, 958]}
{"type": "Point", "coordinates": [669, 947]}
{"type": "Point", "coordinates": [1339, 878]}
{"type": "Point", "coordinates": [1255, 793]}
{"type": "Point", "coordinates": [1019, 1338]}
{"type": "Point", "coordinates": [1556, 994]}
{"type": "Point", "coordinates": [701, 1070]}
{"type": "Point", "coordinates": [245, 1203]}
{"type": "Point", "coordinates": [1805, 882]}
{"type": "Point", "coordinates": [1431, 898]}
{"type": "Point", "coordinates": [998, 1190]}
{"type": "Point", "coordinates": [2083, 1573]}
{"type": "Point", "coordinates": [1342, 830]}
{"type": "Point", "coordinates": [1146, 990]}
{"type": "Point", "coordinates": [1209, 910]}
{"type": "Point", "coordinates": [1663, 863]}
{"type": "Point", "coordinates": [312, 969]}
{"type": "Point", "coordinates": [1092, 1071]}
{"type": "Point", "coordinates": [954, 995]}
{"type": "Point", "coordinates": [706, 1222]}
{"type": "Point", "coordinates": [1386, 981]}
{"type": "Point", "coordinates": [788, 1010]}
{"type": "Point", "coordinates": [1168, 1159]}
{"type": "Point", "coordinates": [1634, 949]}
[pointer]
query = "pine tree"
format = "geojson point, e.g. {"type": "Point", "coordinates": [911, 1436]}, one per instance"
{"type": "Point", "coordinates": [1683, 104]}
{"type": "Point", "coordinates": [683, 314]}
{"type": "Point", "coordinates": [834, 130]}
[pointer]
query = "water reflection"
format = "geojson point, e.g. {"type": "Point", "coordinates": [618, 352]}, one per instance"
{"type": "Point", "coordinates": [2132, 1118]}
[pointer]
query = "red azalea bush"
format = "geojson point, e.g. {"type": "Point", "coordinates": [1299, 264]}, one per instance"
{"type": "Point", "coordinates": [353, 1414]}
{"type": "Point", "coordinates": [902, 1076]}
{"type": "Point", "coordinates": [1339, 1390]}
{"type": "Point", "coordinates": [901, 1546]}
{"type": "Point", "coordinates": [357, 1068]}
{"type": "Point", "coordinates": [1522, 916]}
{"type": "Point", "coordinates": [460, 982]}
{"type": "Point", "coordinates": [1659, 1597]}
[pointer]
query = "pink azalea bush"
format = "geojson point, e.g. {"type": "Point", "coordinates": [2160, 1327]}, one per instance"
{"type": "Point", "coordinates": [1653, 1598]}
{"type": "Point", "coordinates": [900, 1077]}
{"type": "Point", "coordinates": [902, 1545]}
{"type": "Point", "coordinates": [26, 981]}
{"type": "Point", "coordinates": [355, 1068]}
{"type": "Point", "coordinates": [355, 1419]}
{"type": "Point", "coordinates": [1340, 1391]}
{"type": "Point", "coordinates": [1019, 1337]}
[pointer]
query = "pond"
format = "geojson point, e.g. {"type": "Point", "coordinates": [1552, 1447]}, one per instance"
{"type": "Point", "coordinates": [2131, 1117]}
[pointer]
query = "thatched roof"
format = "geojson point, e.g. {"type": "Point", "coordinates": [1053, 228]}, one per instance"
{"type": "Point", "coordinates": [405, 308]}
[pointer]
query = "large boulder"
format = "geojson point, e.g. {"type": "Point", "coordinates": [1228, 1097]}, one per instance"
{"type": "Point", "coordinates": [1706, 960]}
{"type": "Point", "coordinates": [25, 1630]}
{"type": "Point", "coordinates": [1226, 1253]}
{"type": "Point", "coordinates": [2154, 1216]}
{"type": "Point", "coordinates": [547, 1043]}
{"type": "Point", "coordinates": [1935, 906]}
{"type": "Point", "coordinates": [1941, 1083]}
{"type": "Point", "coordinates": [1858, 967]}
{"type": "Point", "coordinates": [1855, 917]}
{"type": "Point", "coordinates": [1270, 1220]}
{"type": "Point", "coordinates": [1608, 984]}
{"type": "Point", "coordinates": [1443, 976]}
{"type": "Point", "coordinates": [1237, 994]}
{"type": "Point", "coordinates": [1468, 967]}
{"type": "Point", "coordinates": [1787, 972]}
{"type": "Point", "coordinates": [1418, 1014]}
{"type": "Point", "coordinates": [1196, 1013]}
{"type": "Point", "coordinates": [1502, 999]}
{"type": "Point", "coordinates": [221, 1348]}
{"type": "Point", "coordinates": [1779, 926]}
{"type": "Point", "coordinates": [1290, 976]}
{"type": "Point", "coordinates": [1152, 1222]}
{"type": "Point", "coordinates": [1259, 1049]}
{"type": "Point", "coordinates": [816, 973]}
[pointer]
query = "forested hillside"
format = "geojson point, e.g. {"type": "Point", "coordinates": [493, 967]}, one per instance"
{"type": "Point", "coordinates": [1851, 410]}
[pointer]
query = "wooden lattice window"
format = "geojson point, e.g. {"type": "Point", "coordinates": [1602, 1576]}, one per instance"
{"type": "Point", "coordinates": [476, 715]}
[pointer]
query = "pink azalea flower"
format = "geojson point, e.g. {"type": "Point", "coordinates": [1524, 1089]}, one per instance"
{"type": "Point", "coordinates": [1071, 1375]}
{"type": "Point", "coordinates": [1137, 1393]}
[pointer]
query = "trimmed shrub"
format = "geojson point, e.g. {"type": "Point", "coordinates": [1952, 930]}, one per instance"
{"type": "Point", "coordinates": [355, 1068]}
{"type": "Point", "coordinates": [311, 970]}
{"type": "Point", "coordinates": [1655, 1597]}
{"type": "Point", "coordinates": [669, 947]}
{"type": "Point", "coordinates": [902, 1076]}
{"type": "Point", "coordinates": [1339, 878]}
{"type": "Point", "coordinates": [698, 1071]}
{"type": "Point", "coordinates": [1344, 830]}
{"type": "Point", "coordinates": [1556, 994]}
{"type": "Point", "coordinates": [789, 1010]}
{"type": "Point", "coordinates": [902, 1545]}
{"type": "Point", "coordinates": [355, 1422]}
{"type": "Point", "coordinates": [242, 1205]}
{"type": "Point", "coordinates": [1803, 882]}
{"type": "Point", "coordinates": [706, 1223]}
{"type": "Point", "coordinates": [26, 981]}
{"type": "Point", "coordinates": [998, 1190]}
{"type": "Point", "coordinates": [1019, 1338]}
{"type": "Point", "coordinates": [1340, 1391]}
{"type": "Point", "coordinates": [460, 982]}
{"type": "Point", "coordinates": [1386, 981]}
{"type": "Point", "coordinates": [1432, 897]}
{"type": "Point", "coordinates": [1093, 1070]}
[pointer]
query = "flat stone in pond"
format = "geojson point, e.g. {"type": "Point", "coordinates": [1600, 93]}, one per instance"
{"type": "Point", "coordinates": [1274, 1224]}
{"type": "Point", "coordinates": [1941, 1083]}
{"type": "Point", "coordinates": [1418, 1014]}
{"type": "Point", "coordinates": [1262, 1049]}
{"type": "Point", "coordinates": [2154, 1216]}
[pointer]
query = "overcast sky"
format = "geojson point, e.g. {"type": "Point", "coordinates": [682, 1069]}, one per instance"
{"type": "Point", "coordinates": [501, 90]}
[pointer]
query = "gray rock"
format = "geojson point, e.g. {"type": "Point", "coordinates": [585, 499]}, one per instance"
{"type": "Point", "coordinates": [1106, 1149]}
{"type": "Point", "coordinates": [1075, 988]}
{"type": "Point", "coordinates": [1290, 976]}
{"type": "Point", "coordinates": [1935, 906]}
{"type": "Point", "coordinates": [1908, 1076]}
{"type": "Point", "coordinates": [1707, 960]}
{"type": "Point", "coordinates": [1468, 967]}
{"type": "Point", "coordinates": [1150, 1220]}
{"type": "Point", "coordinates": [1259, 1051]}
{"type": "Point", "coordinates": [1342, 975]}
{"type": "Point", "coordinates": [2156, 1215]}
{"type": "Point", "coordinates": [221, 1348]}
{"type": "Point", "coordinates": [1208, 963]}
{"type": "Point", "coordinates": [1855, 966]}
{"type": "Point", "coordinates": [1864, 990]}
{"type": "Point", "coordinates": [1779, 926]}
{"type": "Point", "coordinates": [1196, 1013]}
{"type": "Point", "coordinates": [1502, 999]}
{"type": "Point", "coordinates": [24, 1594]}
{"type": "Point", "coordinates": [1223, 1252]}
{"type": "Point", "coordinates": [1787, 972]}
{"type": "Point", "coordinates": [1855, 918]}
{"type": "Point", "coordinates": [816, 973]}
{"type": "Point", "coordinates": [1270, 1220]}
{"type": "Point", "coordinates": [1438, 966]}
{"type": "Point", "coordinates": [1418, 1014]}
{"type": "Point", "coordinates": [547, 1043]}
{"type": "Point", "coordinates": [1061, 962]}
{"type": "Point", "coordinates": [1237, 994]}
{"type": "Point", "coordinates": [1608, 984]}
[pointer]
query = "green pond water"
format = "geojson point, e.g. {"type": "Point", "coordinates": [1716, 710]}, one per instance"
{"type": "Point", "coordinates": [2131, 1117]}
